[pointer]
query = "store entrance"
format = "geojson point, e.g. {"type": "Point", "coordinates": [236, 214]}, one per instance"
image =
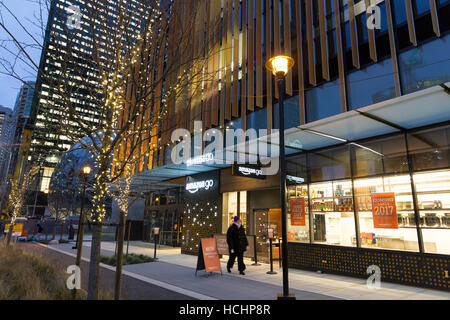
{"type": "Point", "coordinates": [265, 219]}
{"type": "Point", "coordinates": [170, 223]}
{"type": "Point", "coordinates": [235, 204]}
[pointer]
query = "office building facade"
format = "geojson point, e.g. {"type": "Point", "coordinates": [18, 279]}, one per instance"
{"type": "Point", "coordinates": [367, 114]}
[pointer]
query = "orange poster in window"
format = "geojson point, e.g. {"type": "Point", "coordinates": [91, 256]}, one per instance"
{"type": "Point", "coordinates": [211, 255]}
{"type": "Point", "coordinates": [384, 211]}
{"type": "Point", "coordinates": [297, 209]}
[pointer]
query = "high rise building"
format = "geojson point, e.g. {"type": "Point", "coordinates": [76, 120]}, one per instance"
{"type": "Point", "coordinates": [6, 126]}
{"type": "Point", "coordinates": [68, 61]}
{"type": "Point", "coordinates": [21, 115]}
{"type": "Point", "coordinates": [367, 115]}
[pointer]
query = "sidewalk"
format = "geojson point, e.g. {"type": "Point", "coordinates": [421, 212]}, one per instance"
{"type": "Point", "coordinates": [178, 270]}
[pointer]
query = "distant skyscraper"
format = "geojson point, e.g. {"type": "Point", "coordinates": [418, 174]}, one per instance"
{"type": "Point", "coordinates": [64, 64]}
{"type": "Point", "coordinates": [20, 118]}
{"type": "Point", "coordinates": [6, 124]}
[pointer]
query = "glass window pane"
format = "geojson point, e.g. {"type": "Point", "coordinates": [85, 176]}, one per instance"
{"type": "Point", "coordinates": [433, 196]}
{"type": "Point", "coordinates": [323, 101]}
{"type": "Point", "coordinates": [377, 229]}
{"type": "Point", "coordinates": [229, 210]}
{"type": "Point", "coordinates": [376, 157]}
{"type": "Point", "coordinates": [422, 6]}
{"type": "Point", "coordinates": [298, 225]}
{"type": "Point", "coordinates": [296, 166]}
{"type": "Point", "coordinates": [429, 149]}
{"type": "Point", "coordinates": [332, 211]}
{"type": "Point", "coordinates": [291, 113]}
{"type": "Point", "coordinates": [331, 164]}
{"type": "Point", "coordinates": [426, 66]}
{"type": "Point", "coordinates": [371, 85]}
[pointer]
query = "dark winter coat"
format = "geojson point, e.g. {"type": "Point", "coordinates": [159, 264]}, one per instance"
{"type": "Point", "coordinates": [237, 239]}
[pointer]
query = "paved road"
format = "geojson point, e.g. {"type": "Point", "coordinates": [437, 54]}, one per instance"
{"type": "Point", "coordinates": [132, 289]}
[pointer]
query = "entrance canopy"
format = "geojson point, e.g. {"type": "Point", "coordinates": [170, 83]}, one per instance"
{"type": "Point", "coordinates": [415, 110]}
{"type": "Point", "coordinates": [426, 107]}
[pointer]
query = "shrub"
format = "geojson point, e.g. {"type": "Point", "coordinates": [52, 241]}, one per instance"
{"type": "Point", "coordinates": [132, 259]}
{"type": "Point", "coordinates": [26, 276]}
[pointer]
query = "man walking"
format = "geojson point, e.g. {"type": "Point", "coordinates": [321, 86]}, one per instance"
{"type": "Point", "coordinates": [39, 230]}
{"type": "Point", "coordinates": [237, 244]}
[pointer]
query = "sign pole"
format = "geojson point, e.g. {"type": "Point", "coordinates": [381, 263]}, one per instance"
{"type": "Point", "coordinates": [156, 237]}
{"type": "Point", "coordinates": [270, 234]}
{"type": "Point", "coordinates": [256, 253]}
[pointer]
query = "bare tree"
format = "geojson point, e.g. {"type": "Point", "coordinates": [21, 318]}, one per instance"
{"type": "Point", "coordinates": [126, 63]}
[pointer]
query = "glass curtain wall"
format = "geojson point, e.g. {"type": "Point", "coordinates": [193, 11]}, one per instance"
{"type": "Point", "coordinates": [384, 190]}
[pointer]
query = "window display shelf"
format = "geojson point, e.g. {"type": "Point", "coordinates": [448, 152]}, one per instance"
{"type": "Point", "coordinates": [397, 194]}
{"type": "Point", "coordinates": [331, 198]}
{"type": "Point", "coordinates": [434, 192]}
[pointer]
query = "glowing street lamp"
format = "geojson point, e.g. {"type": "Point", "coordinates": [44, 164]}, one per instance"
{"type": "Point", "coordinates": [80, 235]}
{"type": "Point", "coordinates": [87, 170]}
{"type": "Point", "coordinates": [280, 66]}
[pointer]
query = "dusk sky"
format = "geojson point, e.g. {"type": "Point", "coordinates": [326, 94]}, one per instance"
{"type": "Point", "coordinates": [25, 11]}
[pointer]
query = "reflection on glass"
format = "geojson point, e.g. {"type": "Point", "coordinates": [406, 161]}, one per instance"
{"type": "Point", "coordinates": [401, 234]}
{"type": "Point", "coordinates": [323, 101]}
{"type": "Point", "coordinates": [298, 231]}
{"type": "Point", "coordinates": [376, 157]}
{"type": "Point", "coordinates": [332, 164]}
{"type": "Point", "coordinates": [425, 66]}
{"type": "Point", "coordinates": [371, 85]}
{"type": "Point", "coordinates": [230, 209]}
{"type": "Point", "coordinates": [433, 196]}
{"type": "Point", "coordinates": [429, 148]}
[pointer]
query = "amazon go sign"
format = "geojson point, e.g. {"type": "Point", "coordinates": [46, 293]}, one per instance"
{"type": "Point", "coordinates": [196, 186]}
{"type": "Point", "coordinates": [202, 187]}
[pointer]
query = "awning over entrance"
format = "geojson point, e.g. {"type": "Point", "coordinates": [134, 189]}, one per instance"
{"type": "Point", "coordinates": [158, 178]}
{"type": "Point", "coordinates": [426, 107]}
{"type": "Point", "coordinates": [415, 110]}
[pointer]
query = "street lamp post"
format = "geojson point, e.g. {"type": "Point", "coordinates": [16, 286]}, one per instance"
{"type": "Point", "coordinates": [80, 233]}
{"type": "Point", "coordinates": [280, 66]}
{"type": "Point", "coordinates": [79, 244]}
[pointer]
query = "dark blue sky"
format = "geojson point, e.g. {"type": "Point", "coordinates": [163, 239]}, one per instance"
{"type": "Point", "coordinates": [25, 12]}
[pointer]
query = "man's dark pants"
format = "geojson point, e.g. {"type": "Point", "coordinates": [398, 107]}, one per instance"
{"type": "Point", "coordinates": [232, 259]}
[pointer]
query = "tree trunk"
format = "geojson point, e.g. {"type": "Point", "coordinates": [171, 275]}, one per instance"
{"type": "Point", "coordinates": [119, 257]}
{"type": "Point", "coordinates": [94, 265]}
{"type": "Point", "coordinates": [62, 231]}
{"type": "Point", "coordinates": [79, 247]}
{"type": "Point", "coordinates": [128, 240]}
{"type": "Point", "coordinates": [9, 235]}
{"type": "Point", "coordinates": [54, 229]}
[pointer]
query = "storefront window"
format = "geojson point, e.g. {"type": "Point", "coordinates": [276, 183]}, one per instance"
{"type": "Point", "coordinates": [230, 209]}
{"type": "Point", "coordinates": [429, 148]}
{"type": "Point", "coordinates": [433, 196]}
{"type": "Point", "coordinates": [386, 213]}
{"type": "Point", "coordinates": [332, 164]}
{"type": "Point", "coordinates": [298, 214]}
{"type": "Point", "coordinates": [382, 156]}
{"type": "Point", "coordinates": [332, 211]}
{"type": "Point", "coordinates": [296, 166]}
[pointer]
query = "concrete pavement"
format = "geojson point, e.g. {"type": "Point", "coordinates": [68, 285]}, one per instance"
{"type": "Point", "coordinates": [178, 271]}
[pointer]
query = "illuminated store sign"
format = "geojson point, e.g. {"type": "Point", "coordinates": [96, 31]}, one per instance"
{"type": "Point", "coordinates": [248, 171]}
{"type": "Point", "coordinates": [194, 187]}
{"type": "Point", "coordinates": [204, 158]}
{"type": "Point", "coordinates": [297, 180]}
